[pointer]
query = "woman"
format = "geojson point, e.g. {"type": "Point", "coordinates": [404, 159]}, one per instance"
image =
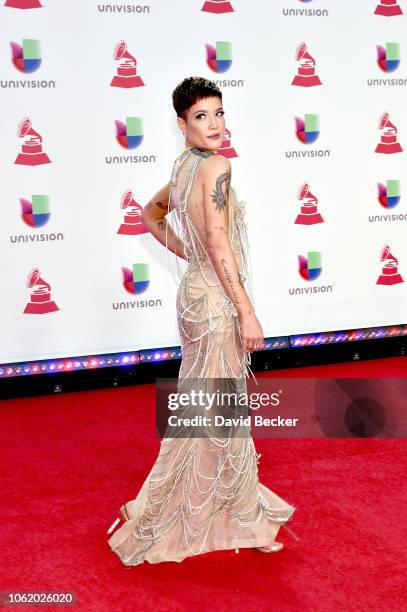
{"type": "Point", "coordinates": [203, 493]}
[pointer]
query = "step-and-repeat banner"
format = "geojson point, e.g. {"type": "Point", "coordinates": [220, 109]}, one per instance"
{"type": "Point", "coordinates": [315, 97]}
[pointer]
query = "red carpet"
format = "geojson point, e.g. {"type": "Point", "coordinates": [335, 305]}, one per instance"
{"type": "Point", "coordinates": [68, 462]}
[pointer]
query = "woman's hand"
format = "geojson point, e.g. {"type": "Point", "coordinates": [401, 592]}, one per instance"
{"type": "Point", "coordinates": [252, 332]}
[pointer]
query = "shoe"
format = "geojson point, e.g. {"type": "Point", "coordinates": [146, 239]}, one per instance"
{"type": "Point", "coordinates": [122, 518]}
{"type": "Point", "coordinates": [275, 547]}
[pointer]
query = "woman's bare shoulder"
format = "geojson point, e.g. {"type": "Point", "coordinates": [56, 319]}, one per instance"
{"type": "Point", "coordinates": [214, 164]}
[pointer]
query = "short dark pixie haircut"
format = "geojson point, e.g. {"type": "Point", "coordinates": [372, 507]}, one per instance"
{"type": "Point", "coordinates": [190, 90]}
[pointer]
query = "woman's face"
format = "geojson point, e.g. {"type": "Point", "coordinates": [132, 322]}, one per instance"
{"type": "Point", "coordinates": [204, 124]}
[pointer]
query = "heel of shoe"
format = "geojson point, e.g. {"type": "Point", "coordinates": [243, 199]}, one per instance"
{"type": "Point", "coordinates": [113, 525]}
{"type": "Point", "coordinates": [123, 517]}
{"type": "Point", "coordinates": [275, 547]}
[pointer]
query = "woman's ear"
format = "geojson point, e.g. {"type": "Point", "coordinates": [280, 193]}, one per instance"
{"type": "Point", "coordinates": [182, 124]}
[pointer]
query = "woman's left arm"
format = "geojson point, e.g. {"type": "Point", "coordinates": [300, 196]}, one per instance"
{"type": "Point", "coordinates": [153, 216]}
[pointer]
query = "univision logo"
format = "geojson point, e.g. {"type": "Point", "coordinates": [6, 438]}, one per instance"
{"type": "Point", "coordinates": [305, 12]}
{"type": "Point", "coordinates": [36, 213]}
{"type": "Point", "coordinates": [130, 135]}
{"type": "Point", "coordinates": [26, 57]}
{"type": "Point", "coordinates": [138, 9]}
{"type": "Point", "coordinates": [219, 59]}
{"type": "Point", "coordinates": [388, 58]}
{"type": "Point", "coordinates": [307, 131]}
{"type": "Point", "coordinates": [388, 61]}
{"type": "Point", "coordinates": [136, 280]}
{"type": "Point", "coordinates": [310, 268]}
{"type": "Point", "coordinates": [388, 196]}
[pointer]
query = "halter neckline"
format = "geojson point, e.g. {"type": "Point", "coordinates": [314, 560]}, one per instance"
{"type": "Point", "coordinates": [201, 152]}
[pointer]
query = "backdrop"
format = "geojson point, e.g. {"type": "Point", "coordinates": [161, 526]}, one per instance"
{"type": "Point", "coordinates": [314, 94]}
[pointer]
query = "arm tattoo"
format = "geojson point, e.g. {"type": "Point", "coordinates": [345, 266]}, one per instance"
{"type": "Point", "coordinates": [163, 204]}
{"type": "Point", "coordinates": [161, 225]}
{"type": "Point", "coordinates": [221, 192]}
{"type": "Point", "coordinates": [209, 233]}
{"type": "Point", "coordinates": [230, 280]}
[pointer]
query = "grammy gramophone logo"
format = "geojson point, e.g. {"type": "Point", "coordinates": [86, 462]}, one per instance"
{"type": "Point", "coordinates": [388, 8]}
{"type": "Point", "coordinates": [23, 4]}
{"type": "Point", "coordinates": [390, 274]}
{"type": "Point", "coordinates": [219, 58]}
{"type": "Point", "coordinates": [310, 267]}
{"type": "Point", "coordinates": [31, 149]}
{"type": "Point", "coordinates": [26, 57]}
{"type": "Point", "coordinates": [40, 297]}
{"type": "Point", "coordinates": [126, 75]}
{"type": "Point", "coordinates": [132, 224]}
{"type": "Point", "coordinates": [305, 76]}
{"type": "Point", "coordinates": [129, 134]}
{"type": "Point", "coordinates": [217, 6]}
{"type": "Point", "coordinates": [226, 148]}
{"type": "Point", "coordinates": [136, 279]}
{"type": "Point", "coordinates": [309, 214]}
{"type": "Point", "coordinates": [388, 138]}
{"type": "Point", "coordinates": [388, 195]}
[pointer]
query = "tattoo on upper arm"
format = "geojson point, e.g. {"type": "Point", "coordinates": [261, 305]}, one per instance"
{"type": "Point", "coordinates": [161, 225]}
{"type": "Point", "coordinates": [221, 192]}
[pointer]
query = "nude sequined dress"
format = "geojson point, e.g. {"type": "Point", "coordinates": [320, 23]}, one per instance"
{"type": "Point", "coordinates": [203, 493]}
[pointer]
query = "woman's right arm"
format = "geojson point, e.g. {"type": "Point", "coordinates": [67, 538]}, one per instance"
{"type": "Point", "coordinates": [216, 176]}
{"type": "Point", "coordinates": [153, 216]}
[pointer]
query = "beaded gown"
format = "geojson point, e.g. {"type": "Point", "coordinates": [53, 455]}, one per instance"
{"type": "Point", "coordinates": [203, 493]}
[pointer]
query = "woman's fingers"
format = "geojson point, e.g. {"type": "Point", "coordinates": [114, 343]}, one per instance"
{"type": "Point", "coordinates": [253, 344]}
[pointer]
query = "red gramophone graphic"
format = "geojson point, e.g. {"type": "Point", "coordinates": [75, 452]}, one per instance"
{"type": "Point", "coordinates": [126, 72]}
{"type": "Point", "coordinates": [305, 76]}
{"type": "Point", "coordinates": [32, 153]}
{"type": "Point", "coordinates": [225, 149]}
{"type": "Point", "coordinates": [23, 4]}
{"type": "Point", "coordinates": [217, 6]}
{"type": "Point", "coordinates": [133, 225]}
{"type": "Point", "coordinates": [309, 213]}
{"type": "Point", "coordinates": [389, 275]}
{"type": "Point", "coordinates": [388, 8]}
{"type": "Point", "coordinates": [388, 139]}
{"type": "Point", "coordinates": [40, 299]}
